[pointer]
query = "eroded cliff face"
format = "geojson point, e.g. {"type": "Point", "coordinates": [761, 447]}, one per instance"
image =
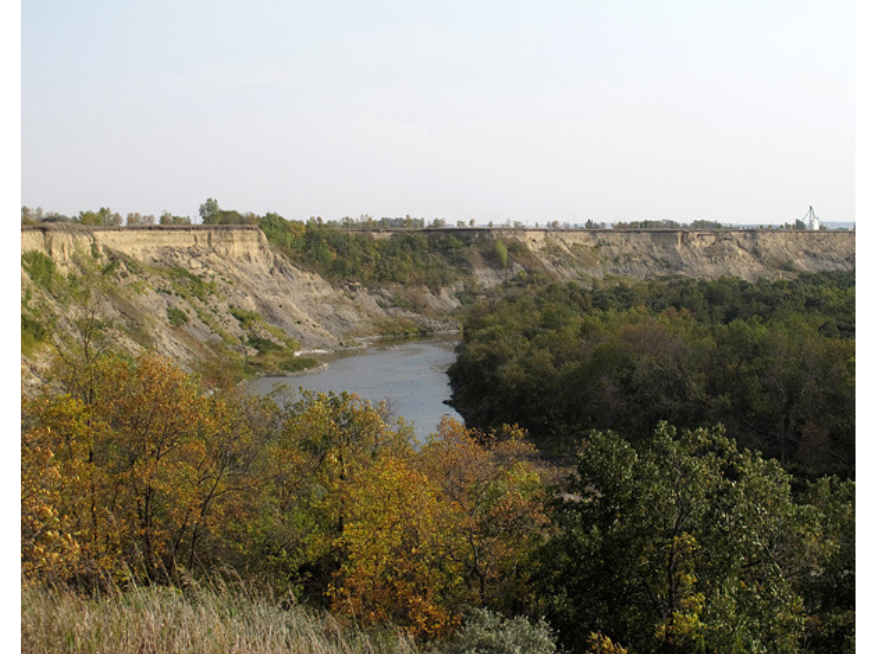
{"type": "Point", "coordinates": [211, 278]}
{"type": "Point", "coordinates": [195, 293]}
{"type": "Point", "coordinates": [245, 271]}
{"type": "Point", "coordinates": [748, 254]}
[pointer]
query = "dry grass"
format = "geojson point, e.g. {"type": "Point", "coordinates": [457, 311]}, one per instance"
{"type": "Point", "coordinates": [159, 620]}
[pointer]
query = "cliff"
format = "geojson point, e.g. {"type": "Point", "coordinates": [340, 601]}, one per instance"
{"type": "Point", "coordinates": [748, 254]}
{"type": "Point", "coordinates": [238, 261]}
{"type": "Point", "coordinates": [195, 292]}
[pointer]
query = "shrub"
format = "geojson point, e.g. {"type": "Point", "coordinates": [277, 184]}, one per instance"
{"type": "Point", "coordinates": [263, 345]}
{"type": "Point", "coordinates": [177, 317]}
{"type": "Point", "coordinates": [42, 270]}
{"type": "Point", "coordinates": [246, 318]}
{"type": "Point", "coordinates": [485, 632]}
{"type": "Point", "coordinates": [502, 253]}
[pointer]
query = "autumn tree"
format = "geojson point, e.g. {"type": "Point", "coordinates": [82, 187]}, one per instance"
{"type": "Point", "coordinates": [494, 499]}
{"type": "Point", "coordinates": [431, 532]}
{"type": "Point", "coordinates": [310, 466]}
{"type": "Point", "coordinates": [152, 466]}
{"type": "Point", "coordinates": [51, 478]}
{"type": "Point", "coordinates": [396, 566]}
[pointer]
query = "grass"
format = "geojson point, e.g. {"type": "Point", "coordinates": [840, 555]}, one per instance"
{"type": "Point", "coordinates": [211, 620]}
{"type": "Point", "coordinates": [277, 363]}
{"type": "Point", "coordinates": [42, 269]}
{"type": "Point", "coordinates": [185, 282]}
{"type": "Point", "coordinates": [177, 317]}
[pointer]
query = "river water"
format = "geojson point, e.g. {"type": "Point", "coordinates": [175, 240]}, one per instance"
{"type": "Point", "coordinates": [410, 375]}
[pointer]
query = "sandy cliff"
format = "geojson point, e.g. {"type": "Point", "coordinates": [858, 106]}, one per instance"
{"type": "Point", "coordinates": [749, 254]}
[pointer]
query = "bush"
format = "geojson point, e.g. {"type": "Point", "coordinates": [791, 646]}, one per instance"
{"type": "Point", "coordinates": [502, 253]}
{"type": "Point", "coordinates": [246, 318]}
{"type": "Point", "coordinates": [177, 317]}
{"type": "Point", "coordinates": [42, 269]}
{"type": "Point", "coordinates": [263, 345]}
{"type": "Point", "coordinates": [485, 632]}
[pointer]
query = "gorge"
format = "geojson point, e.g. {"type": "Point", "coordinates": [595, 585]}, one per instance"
{"type": "Point", "coordinates": [202, 295]}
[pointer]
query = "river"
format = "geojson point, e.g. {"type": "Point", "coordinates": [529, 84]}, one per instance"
{"type": "Point", "coordinates": [410, 375]}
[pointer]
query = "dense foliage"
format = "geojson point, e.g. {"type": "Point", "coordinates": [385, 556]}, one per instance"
{"type": "Point", "coordinates": [686, 544]}
{"type": "Point", "coordinates": [137, 474]}
{"type": "Point", "coordinates": [435, 259]}
{"type": "Point", "coordinates": [773, 361]}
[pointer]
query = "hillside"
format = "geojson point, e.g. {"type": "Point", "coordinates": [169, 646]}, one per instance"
{"type": "Point", "coordinates": [223, 297]}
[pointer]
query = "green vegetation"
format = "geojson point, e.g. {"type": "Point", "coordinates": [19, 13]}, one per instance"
{"type": "Point", "coordinates": [140, 487]}
{"type": "Point", "coordinates": [35, 325]}
{"type": "Point", "coordinates": [435, 260]}
{"type": "Point", "coordinates": [686, 544]}
{"type": "Point", "coordinates": [177, 317]}
{"type": "Point", "coordinates": [187, 284]}
{"type": "Point", "coordinates": [41, 269]}
{"type": "Point", "coordinates": [247, 319]}
{"type": "Point", "coordinates": [502, 253]}
{"type": "Point", "coordinates": [490, 633]}
{"type": "Point", "coordinates": [772, 361]}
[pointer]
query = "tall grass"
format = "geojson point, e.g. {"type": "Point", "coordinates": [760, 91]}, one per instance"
{"type": "Point", "coordinates": [214, 620]}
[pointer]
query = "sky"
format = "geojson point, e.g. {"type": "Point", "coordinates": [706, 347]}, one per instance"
{"type": "Point", "coordinates": [740, 111]}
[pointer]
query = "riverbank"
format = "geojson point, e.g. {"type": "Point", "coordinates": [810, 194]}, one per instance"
{"type": "Point", "coordinates": [408, 375]}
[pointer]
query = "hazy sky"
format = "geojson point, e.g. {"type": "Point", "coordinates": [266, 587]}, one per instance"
{"type": "Point", "coordinates": [738, 111]}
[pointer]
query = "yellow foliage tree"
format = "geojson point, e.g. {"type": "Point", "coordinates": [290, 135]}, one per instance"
{"type": "Point", "coordinates": [395, 567]}
{"type": "Point", "coordinates": [326, 441]}
{"type": "Point", "coordinates": [496, 503]}
{"type": "Point", "coordinates": [146, 470]}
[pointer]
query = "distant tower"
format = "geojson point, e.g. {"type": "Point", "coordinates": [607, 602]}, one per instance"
{"type": "Point", "coordinates": [813, 222]}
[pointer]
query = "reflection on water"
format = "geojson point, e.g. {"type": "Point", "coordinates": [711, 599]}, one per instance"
{"type": "Point", "coordinates": [408, 375]}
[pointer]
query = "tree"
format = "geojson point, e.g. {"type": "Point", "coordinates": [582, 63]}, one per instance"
{"type": "Point", "coordinates": [829, 590]}
{"type": "Point", "coordinates": [30, 216]}
{"type": "Point", "coordinates": [136, 219]}
{"type": "Point", "coordinates": [151, 470]}
{"type": "Point", "coordinates": [51, 479]}
{"type": "Point", "coordinates": [210, 212]}
{"type": "Point", "coordinates": [495, 502]}
{"type": "Point", "coordinates": [309, 470]}
{"type": "Point", "coordinates": [426, 534]}
{"type": "Point", "coordinates": [167, 218]}
{"type": "Point", "coordinates": [686, 545]}
{"type": "Point", "coordinates": [396, 566]}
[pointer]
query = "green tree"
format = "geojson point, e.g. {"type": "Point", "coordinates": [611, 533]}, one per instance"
{"type": "Point", "coordinates": [686, 545]}
{"type": "Point", "coordinates": [210, 212]}
{"type": "Point", "coordinates": [103, 217]}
